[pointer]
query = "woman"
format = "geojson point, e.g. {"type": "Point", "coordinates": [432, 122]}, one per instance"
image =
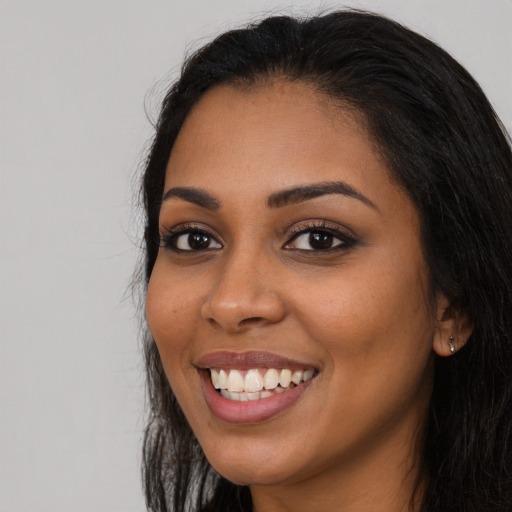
{"type": "Point", "coordinates": [328, 277]}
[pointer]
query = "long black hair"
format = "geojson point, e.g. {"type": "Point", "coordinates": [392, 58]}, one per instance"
{"type": "Point", "coordinates": [445, 146]}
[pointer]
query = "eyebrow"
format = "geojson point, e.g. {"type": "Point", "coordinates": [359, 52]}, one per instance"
{"type": "Point", "coordinates": [278, 199]}
{"type": "Point", "coordinates": [304, 193]}
{"type": "Point", "coordinates": [194, 196]}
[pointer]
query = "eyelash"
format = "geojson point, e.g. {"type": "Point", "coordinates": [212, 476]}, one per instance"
{"type": "Point", "coordinates": [321, 227]}
{"type": "Point", "coordinates": [169, 240]}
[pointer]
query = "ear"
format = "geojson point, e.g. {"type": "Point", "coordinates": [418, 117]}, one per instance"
{"type": "Point", "coordinates": [453, 327]}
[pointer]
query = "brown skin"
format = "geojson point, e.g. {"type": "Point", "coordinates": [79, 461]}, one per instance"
{"type": "Point", "coordinates": [364, 314]}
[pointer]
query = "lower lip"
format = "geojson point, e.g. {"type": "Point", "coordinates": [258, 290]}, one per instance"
{"type": "Point", "coordinates": [251, 411]}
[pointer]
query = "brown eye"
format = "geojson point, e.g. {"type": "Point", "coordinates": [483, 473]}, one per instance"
{"type": "Point", "coordinates": [194, 241]}
{"type": "Point", "coordinates": [198, 241]}
{"type": "Point", "coordinates": [320, 241]}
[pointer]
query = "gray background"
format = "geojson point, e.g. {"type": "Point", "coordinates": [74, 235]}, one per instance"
{"type": "Point", "coordinates": [75, 76]}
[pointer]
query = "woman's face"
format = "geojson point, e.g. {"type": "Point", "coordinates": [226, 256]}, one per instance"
{"type": "Point", "coordinates": [287, 252]}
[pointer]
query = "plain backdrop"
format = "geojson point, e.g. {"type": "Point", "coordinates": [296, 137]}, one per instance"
{"type": "Point", "coordinates": [76, 80]}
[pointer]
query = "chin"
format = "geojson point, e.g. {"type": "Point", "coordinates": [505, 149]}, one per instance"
{"type": "Point", "coordinates": [250, 473]}
{"type": "Point", "coordinates": [252, 463]}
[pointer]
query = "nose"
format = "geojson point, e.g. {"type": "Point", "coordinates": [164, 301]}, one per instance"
{"type": "Point", "coordinates": [244, 294]}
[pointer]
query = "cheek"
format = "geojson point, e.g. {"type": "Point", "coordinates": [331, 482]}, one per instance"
{"type": "Point", "coordinates": [357, 308]}
{"type": "Point", "coordinates": [374, 314]}
{"type": "Point", "coordinates": [169, 312]}
{"type": "Point", "coordinates": [169, 309]}
{"type": "Point", "coordinates": [378, 335]}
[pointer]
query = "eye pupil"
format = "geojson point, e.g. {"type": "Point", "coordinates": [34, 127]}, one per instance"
{"type": "Point", "coordinates": [198, 241]}
{"type": "Point", "coordinates": [319, 240]}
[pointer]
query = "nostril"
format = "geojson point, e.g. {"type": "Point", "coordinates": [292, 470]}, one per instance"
{"type": "Point", "coordinates": [239, 327]}
{"type": "Point", "coordinates": [251, 320]}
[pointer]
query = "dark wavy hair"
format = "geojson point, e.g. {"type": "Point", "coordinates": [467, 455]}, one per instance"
{"type": "Point", "coordinates": [446, 147]}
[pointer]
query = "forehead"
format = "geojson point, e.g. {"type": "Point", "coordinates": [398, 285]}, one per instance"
{"type": "Point", "coordinates": [272, 136]}
{"type": "Point", "coordinates": [292, 109]}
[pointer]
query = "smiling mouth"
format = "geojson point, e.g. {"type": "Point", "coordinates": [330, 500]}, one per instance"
{"type": "Point", "coordinates": [257, 383]}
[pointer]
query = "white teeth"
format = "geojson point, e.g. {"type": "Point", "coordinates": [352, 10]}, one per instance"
{"type": "Point", "coordinates": [244, 396]}
{"type": "Point", "coordinates": [219, 379]}
{"type": "Point", "coordinates": [271, 379]}
{"type": "Point", "coordinates": [253, 381]}
{"type": "Point", "coordinates": [233, 385]}
{"type": "Point", "coordinates": [235, 381]}
{"type": "Point", "coordinates": [230, 395]}
{"type": "Point", "coordinates": [308, 375]}
{"type": "Point", "coordinates": [285, 378]}
{"type": "Point", "coordinates": [297, 376]}
{"type": "Point", "coordinates": [214, 375]}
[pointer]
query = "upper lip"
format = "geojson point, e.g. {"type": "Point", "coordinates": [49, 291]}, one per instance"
{"type": "Point", "coordinates": [248, 360]}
